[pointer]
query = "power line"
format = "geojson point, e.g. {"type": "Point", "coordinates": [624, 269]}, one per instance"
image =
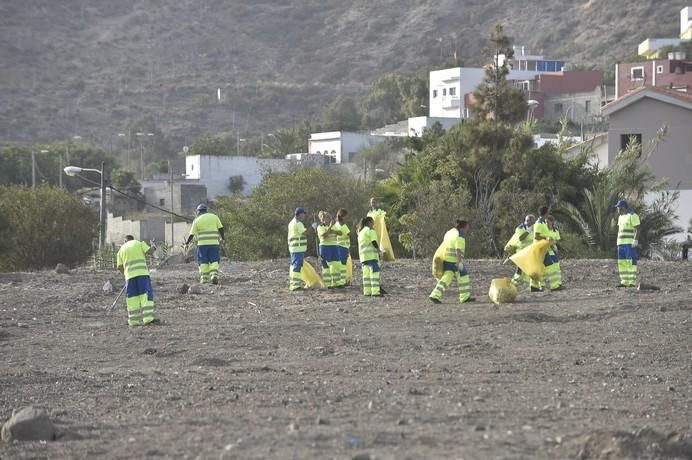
{"type": "Point", "coordinates": [138, 199]}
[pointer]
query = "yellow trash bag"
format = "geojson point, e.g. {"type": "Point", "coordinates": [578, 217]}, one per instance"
{"type": "Point", "coordinates": [383, 236]}
{"type": "Point", "coordinates": [530, 259]}
{"type": "Point", "coordinates": [310, 277]}
{"type": "Point", "coordinates": [512, 244]}
{"type": "Point", "coordinates": [349, 269]}
{"type": "Point", "coordinates": [438, 260]}
{"type": "Point", "coordinates": [502, 291]}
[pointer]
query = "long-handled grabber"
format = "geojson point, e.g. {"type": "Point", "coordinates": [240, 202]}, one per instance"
{"type": "Point", "coordinates": [117, 298]}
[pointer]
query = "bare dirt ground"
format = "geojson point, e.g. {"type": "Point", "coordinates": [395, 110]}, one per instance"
{"type": "Point", "coordinates": [248, 370]}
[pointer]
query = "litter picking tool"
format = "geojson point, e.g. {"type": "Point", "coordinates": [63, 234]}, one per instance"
{"type": "Point", "coordinates": [115, 302]}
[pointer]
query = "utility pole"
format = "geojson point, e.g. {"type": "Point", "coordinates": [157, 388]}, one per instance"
{"type": "Point", "coordinates": [33, 169]}
{"type": "Point", "coordinates": [170, 173]}
{"type": "Point", "coordinates": [102, 210]}
{"type": "Point", "coordinates": [60, 171]}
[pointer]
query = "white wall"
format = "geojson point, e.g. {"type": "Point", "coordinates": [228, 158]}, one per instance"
{"type": "Point", "coordinates": [341, 145]}
{"type": "Point", "coordinates": [326, 143]}
{"type": "Point", "coordinates": [441, 103]}
{"type": "Point", "coordinates": [214, 171]}
{"type": "Point", "coordinates": [685, 19]}
{"type": "Point", "coordinates": [683, 211]}
{"type": "Point", "coordinates": [418, 125]}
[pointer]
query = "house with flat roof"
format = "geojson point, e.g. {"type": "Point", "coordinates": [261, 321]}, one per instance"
{"type": "Point", "coordinates": [639, 115]}
{"type": "Point", "coordinates": [651, 47]}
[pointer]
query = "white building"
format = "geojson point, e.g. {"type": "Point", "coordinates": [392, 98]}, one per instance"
{"type": "Point", "coordinates": [650, 47]}
{"type": "Point", "coordinates": [447, 89]}
{"type": "Point", "coordinates": [340, 146]}
{"type": "Point", "coordinates": [448, 86]}
{"type": "Point", "coordinates": [215, 171]}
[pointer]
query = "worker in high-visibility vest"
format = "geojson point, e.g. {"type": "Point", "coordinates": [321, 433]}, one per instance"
{"type": "Point", "coordinates": [132, 262]}
{"type": "Point", "coordinates": [628, 241]}
{"type": "Point", "coordinates": [541, 231]}
{"type": "Point", "coordinates": [375, 212]}
{"type": "Point", "coordinates": [369, 255]}
{"type": "Point", "coordinates": [556, 270]}
{"type": "Point", "coordinates": [297, 245]}
{"type": "Point", "coordinates": [343, 244]}
{"type": "Point", "coordinates": [209, 232]}
{"type": "Point", "coordinates": [331, 271]}
{"type": "Point", "coordinates": [524, 237]}
{"type": "Point", "coordinates": [454, 266]}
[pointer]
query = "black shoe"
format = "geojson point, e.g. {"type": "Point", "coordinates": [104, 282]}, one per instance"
{"type": "Point", "coordinates": [621, 285]}
{"type": "Point", "coordinates": [434, 300]}
{"type": "Point", "coordinates": [383, 292]}
{"type": "Point", "coordinates": [470, 299]}
{"type": "Point", "coordinates": [156, 322]}
{"type": "Point", "coordinates": [535, 289]}
{"type": "Point", "coordinates": [214, 280]}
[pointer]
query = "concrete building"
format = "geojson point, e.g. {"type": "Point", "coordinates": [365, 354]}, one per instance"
{"type": "Point", "coordinates": [673, 73]}
{"type": "Point", "coordinates": [214, 172]}
{"type": "Point", "coordinates": [640, 114]}
{"type": "Point", "coordinates": [525, 60]}
{"type": "Point", "coordinates": [414, 126]}
{"type": "Point", "coordinates": [340, 146]}
{"type": "Point", "coordinates": [651, 47]}
{"type": "Point", "coordinates": [597, 145]}
{"type": "Point", "coordinates": [156, 228]}
{"type": "Point", "coordinates": [448, 87]}
{"type": "Point", "coordinates": [145, 230]}
{"type": "Point", "coordinates": [686, 23]}
{"type": "Point", "coordinates": [184, 196]}
{"type": "Point", "coordinates": [576, 95]}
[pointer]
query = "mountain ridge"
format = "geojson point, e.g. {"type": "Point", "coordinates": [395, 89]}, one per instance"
{"type": "Point", "coordinates": [94, 68]}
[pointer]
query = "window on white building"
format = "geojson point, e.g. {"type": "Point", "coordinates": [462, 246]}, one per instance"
{"type": "Point", "coordinates": [587, 106]}
{"type": "Point", "coordinates": [637, 73]}
{"type": "Point", "coordinates": [659, 69]}
{"type": "Point", "coordinates": [192, 167]}
{"type": "Point", "coordinates": [444, 91]}
{"type": "Point", "coordinates": [452, 91]}
{"type": "Point", "coordinates": [162, 202]}
{"type": "Point", "coordinates": [434, 93]}
{"type": "Point", "coordinates": [558, 107]}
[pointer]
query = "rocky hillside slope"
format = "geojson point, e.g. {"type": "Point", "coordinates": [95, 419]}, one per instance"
{"type": "Point", "coordinates": [92, 68]}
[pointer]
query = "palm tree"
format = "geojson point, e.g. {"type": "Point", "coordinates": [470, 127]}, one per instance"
{"type": "Point", "coordinates": [628, 177]}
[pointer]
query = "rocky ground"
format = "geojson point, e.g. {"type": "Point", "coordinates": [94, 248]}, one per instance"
{"type": "Point", "coordinates": [248, 370]}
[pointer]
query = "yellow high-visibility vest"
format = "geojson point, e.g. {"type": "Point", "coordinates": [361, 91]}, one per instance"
{"type": "Point", "coordinates": [132, 256]}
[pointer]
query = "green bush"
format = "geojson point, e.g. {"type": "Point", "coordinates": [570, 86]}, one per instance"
{"type": "Point", "coordinates": [45, 226]}
{"type": "Point", "coordinates": [256, 227]}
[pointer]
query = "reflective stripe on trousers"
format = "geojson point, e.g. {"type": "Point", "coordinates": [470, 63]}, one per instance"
{"type": "Point", "coordinates": [628, 259]}
{"type": "Point", "coordinates": [208, 271]}
{"type": "Point", "coordinates": [140, 310]}
{"type": "Point", "coordinates": [371, 278]}
{"type": "Point", "coordinates": [463, 282]}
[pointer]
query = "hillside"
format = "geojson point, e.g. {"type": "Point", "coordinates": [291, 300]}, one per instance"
{"type": "Point", "coordinates": [92, 68]}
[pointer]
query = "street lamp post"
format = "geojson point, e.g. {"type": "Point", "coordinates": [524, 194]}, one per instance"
{"type": "Point", "coordinates": [531, 104]}
{"type": "Point", "coordinates": [237, 145]}
{"type": "Point", "coordinates": [141, 154]}
{"type": "Point", "coordinates": [170, 180]}
{"type": "Point", "coordinates": [75, 170]}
